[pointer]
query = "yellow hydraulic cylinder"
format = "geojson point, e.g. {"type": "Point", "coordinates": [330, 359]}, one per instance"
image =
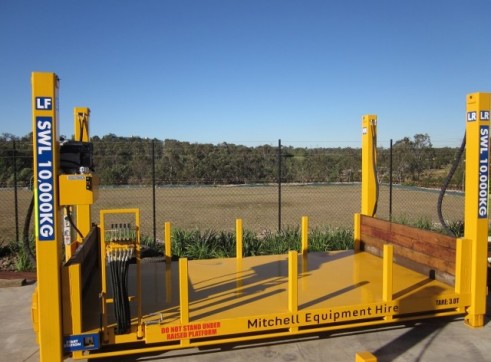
{"type": "Point", "coordinates": [477, 200]}
{"type": "Point", "coordinates": [47, 214]}
{"type": "Point", "coordinates": [81, 117]}
{"type": "Point", "coordinates": [369, 165]}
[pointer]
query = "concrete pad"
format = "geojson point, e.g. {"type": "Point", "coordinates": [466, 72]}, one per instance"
{"type": "Point", "coordinates": [439, 339]}
{"type": "Point", "coordinates": [8, 283]}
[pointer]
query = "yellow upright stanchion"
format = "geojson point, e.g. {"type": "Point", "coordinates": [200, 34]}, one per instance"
{"type": "Point", "coordinates": [184, 294]}
{"type": "Point", "coordinates": [83, 222]}
{"type": "Point", "coordinates": [476, 200]}
{"type": "Point", "coordinates": [167, 242]}
{"type": "Point", "coordinates": [81, 126]}
{"type": "Point", "coordinates": [238, 238]}
{"type": "Point", "coordinates": [388, 262]}
{"type": "Point", "coordinates": [305, 234]}
{"type": "Point", "coordinates": [47, 214]}
{"type": "Point", "coordinates": [293, 284]}
{"type": "Point", "coordinates": [368, 165]}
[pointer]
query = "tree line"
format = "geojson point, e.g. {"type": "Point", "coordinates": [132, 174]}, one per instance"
{"type": "Point", "coordinates": [137, 161]}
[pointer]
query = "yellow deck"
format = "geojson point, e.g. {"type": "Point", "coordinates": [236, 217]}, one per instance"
{"type": "Point", "coordinates": [255, 286]}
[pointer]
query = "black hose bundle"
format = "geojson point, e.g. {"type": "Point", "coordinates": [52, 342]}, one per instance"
{"type": "Point", "coordinates": [374, 165]}
{"type": "Point", "coordinates": [25, 233]}
{"type": "Point", "coordinates": [445, 186]}
{"type": "Point", "coordinates": [119, 261]}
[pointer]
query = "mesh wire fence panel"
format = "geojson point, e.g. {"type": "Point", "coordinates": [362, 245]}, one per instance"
{"type": "Point", "coordinates": [208, 187]}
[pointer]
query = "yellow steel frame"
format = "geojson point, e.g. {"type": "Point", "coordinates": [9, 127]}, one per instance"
{"type": "Point", "coordinates": [369, 156]}
{"type": "Point", "coordinates": [72, 192]}
{"type": "Point", "coordinates": [329, 292]}
{"type": "Point", "coordinates": [477, 200]}
{"type": "Point", "coordinates": [47, 215]}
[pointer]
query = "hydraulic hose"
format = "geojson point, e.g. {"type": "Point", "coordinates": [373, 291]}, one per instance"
{"type": "Point", "coordinates": [72, 224]}
{"type": "Point", "coordinates": [443, 190]}
{"type": "Point", "coordinates": [374, 165]}
{"type": "Point", "coordinates": [119, 261]}
{"type": "Point", "coordinates": [25, 233]}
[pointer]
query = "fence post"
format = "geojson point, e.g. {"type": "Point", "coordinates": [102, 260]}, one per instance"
{"type": "Point", "coordinates": [16, 200]}
{"type": "Point", "coordinates": [153, 193]}
{"type": "Point", "coordinates": [279, 185]}
{"type": "Point", "coordinates": [390, 181]}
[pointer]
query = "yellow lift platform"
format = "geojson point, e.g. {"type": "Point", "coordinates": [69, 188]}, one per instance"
{"type": "Point", "coordinates": [96, 299]}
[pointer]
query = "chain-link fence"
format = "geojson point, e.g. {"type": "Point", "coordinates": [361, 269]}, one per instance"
{"type": "Point", "coordinates": [269, 188]}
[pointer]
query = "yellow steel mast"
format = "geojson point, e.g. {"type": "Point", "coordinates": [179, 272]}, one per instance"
{"type": "Point", "coordinates": [368, 171]}
{"type": "Point", "coordinates": [47, 214]}
{"type": "Point", "coordinates": [477, 200]}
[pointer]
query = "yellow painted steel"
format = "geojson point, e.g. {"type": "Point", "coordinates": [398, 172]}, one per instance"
{"type": "Point", "coordinates": [365, 357]}
{"type": "Point", "coordinates": [463, 266]}
{"type": "Point", "coordinates": [213, 302]}
{"type": "Point", "coordinates": [305, 234]}
{"type": "Point", "coordinates": [293, 285]}
{"type": "Point", "coordinates": [388, 262]}
{"type": "Point", "coordinates": [47, 214]}
{"type": "Point", "coordinates": [81, 117]}
{"type": "Point", "coordinates": [357, 231]}
{"type": "Point", "coordinates": [368, 166]}
{"type": "Point", "coordinates": [183, 300]}
{"type": "Point", "coordinates": [269, 304]}
{"type": "Point", "coordinates": [476, 200]}
{"type": "Point", "coordinates": [74, 190]}
{"type": "Point", "coordinates": [167, 242]}
{"type": "Point", "coordinates": [79, 191]}
{"type": "Point", "coordinates": [239, 238]}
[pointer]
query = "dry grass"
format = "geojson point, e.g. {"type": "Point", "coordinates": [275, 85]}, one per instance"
{"type": "Point", "coordinates": [218, 207]}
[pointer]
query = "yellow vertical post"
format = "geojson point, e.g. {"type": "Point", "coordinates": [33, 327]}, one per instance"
{"type": "Point", "coordinates": [83, 222]}
{"type": "Point", "coordinates": [239, 238]}
{"type": "Point", "coordinates": [463, 266]}
{"type": "Point", "coordinates": [357, 231]}
{"type": "Point", "coordinates": [47, 214]}
{"type": "Point", "coordinates": [184, 294]}
{"type": "Point", "coordinates": [305, 234]}
{"type": "Point", "coordinates": [293, 284]}
{"type": "Point", "coordinates": [81, 126]}
{"type": "Point", "coordinates": [167, 242]}
{"type": "Point", "coordinates": [476, 200]}
{"type": "Point", "coordinates": [387, 285]}
{"type": "Point", "coordinates": [369, 165]}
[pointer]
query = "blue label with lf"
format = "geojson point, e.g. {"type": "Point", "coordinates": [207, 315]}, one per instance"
{"type": "Point", "coordinates": [44, 103]}
{"type": "Point", "coordinates": [44, 171]}
{"type": "Point", "coordinates": [81, 342]}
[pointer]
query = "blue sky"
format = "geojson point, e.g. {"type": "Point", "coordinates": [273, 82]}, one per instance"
{"type": "Point", "coordinates": [252, 71]}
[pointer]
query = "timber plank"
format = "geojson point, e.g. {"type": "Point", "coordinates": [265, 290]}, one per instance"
{"type": "Point", "coordinates": [429, 249]}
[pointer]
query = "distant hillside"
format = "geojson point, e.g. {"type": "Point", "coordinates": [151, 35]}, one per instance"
{"type": "Point", "coordinates": [134, 160]}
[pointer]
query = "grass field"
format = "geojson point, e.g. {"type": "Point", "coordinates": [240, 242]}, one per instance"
{"type": "Point", "coordinates": [218, 207]}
